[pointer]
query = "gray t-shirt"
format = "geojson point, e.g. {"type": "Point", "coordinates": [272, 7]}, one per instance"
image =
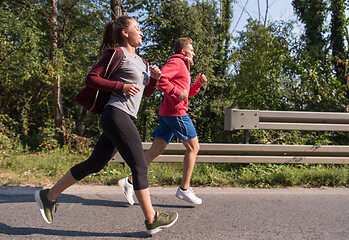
{"type": "Point", "coordinates": [132, 70]}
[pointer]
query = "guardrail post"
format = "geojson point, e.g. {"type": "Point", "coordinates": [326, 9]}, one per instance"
{"type": "Point", "coordinates": [236, 119]}
{"type": "Point", "coordinates": [247, 136]}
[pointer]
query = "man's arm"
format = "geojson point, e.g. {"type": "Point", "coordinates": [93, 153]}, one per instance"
{"type": "Point", "coordinates": [195, 88]}
{"type": "Point", "coordinates": [168, 71]}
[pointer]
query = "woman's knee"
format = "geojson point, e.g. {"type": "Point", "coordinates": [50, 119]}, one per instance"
{"type": "Point", "coordinates": [85, 168]}
{"type": "Point", "coordinates": [140, 177]}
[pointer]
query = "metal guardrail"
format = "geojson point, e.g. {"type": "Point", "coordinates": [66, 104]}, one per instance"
{"type": "Point", "coordinates": [239, 119]}
{"type": "Point", "coordinates": [236, 119]}
{"type": "Point", "coordinates": [254, 153]}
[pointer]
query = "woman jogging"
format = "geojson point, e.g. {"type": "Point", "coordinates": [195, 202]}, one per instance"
{"type": "Point", "coordinates": [127, 83]}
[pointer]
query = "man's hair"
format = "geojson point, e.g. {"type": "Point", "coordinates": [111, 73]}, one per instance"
{"type": "Point", "coordinates": [181, 43]}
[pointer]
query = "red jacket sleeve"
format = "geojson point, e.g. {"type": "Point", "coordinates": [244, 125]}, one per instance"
{"type": "Point", "coordinates": [194, 89]}
{"type": "Point", "coordinates": [167, 72]}
{"type": "Point", "coordinates": [98, 77]}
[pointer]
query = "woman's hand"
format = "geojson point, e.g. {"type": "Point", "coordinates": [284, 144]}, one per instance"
{"type": "Point", "coordinates": [155, 72]}
{"type": "Point", "coordinates": [130, 89]}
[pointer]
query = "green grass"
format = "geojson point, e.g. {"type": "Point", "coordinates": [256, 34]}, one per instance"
{"type": "Point", "coordinates": [45, 168]}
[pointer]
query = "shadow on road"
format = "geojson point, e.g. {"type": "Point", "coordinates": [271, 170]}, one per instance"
{"type": "Point", "coordinates": [17, 231]}
{"type": "Point", "coordinates": [17, 195]}
{"type": "Point", "coordinates": [64, 198]}
{"type": "Point", "coordinates": [28, 196]}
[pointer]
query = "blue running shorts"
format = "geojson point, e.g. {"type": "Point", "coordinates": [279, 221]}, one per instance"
{"type": "Point", "coordinates": [181, 126]}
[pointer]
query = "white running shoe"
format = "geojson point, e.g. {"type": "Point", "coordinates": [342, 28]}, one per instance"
{"type": "Point", "coordinates": [127, 190]}
{"type": "Point", "coordinates": [188, 195]}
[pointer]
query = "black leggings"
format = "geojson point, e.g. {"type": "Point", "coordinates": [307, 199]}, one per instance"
{"type": "Point", "coordinates": [119, 134]}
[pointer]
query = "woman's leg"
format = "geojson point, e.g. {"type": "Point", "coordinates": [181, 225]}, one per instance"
{"type": "Point", "coordinates": [143, 197]}
{"type": "Point", "coordinates": [120, 129]}
{"type": "Point", "coordinates": [66, 181]}
{"type": "Point", "coordinates": [101, 155]}
{"type": "Point", "coordinates": [46, 199]}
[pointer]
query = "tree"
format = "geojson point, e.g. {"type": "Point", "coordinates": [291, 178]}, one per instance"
{"type": "Point", "coordinates": [339, 55]}
{"type": "Point", "coordinates": [226, 13]}
{"type": "Point", "coordinates": [319, 89]}
{"type": "Point", "coordinates": [23, 77]}
{"type": "Point", "coordinates": [42, 52]}
{"type": "Point", "coordinates": [115, 6]}
{"type": "Point", "coordinates": [260, 65]}
{"type": "Point", "coordinates": [312, 15]}
{"type": "Point", "coordinates": [54, 57]}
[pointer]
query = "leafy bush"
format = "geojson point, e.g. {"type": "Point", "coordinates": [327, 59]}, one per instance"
{"type": "Point", "coordinates": [9, 141]}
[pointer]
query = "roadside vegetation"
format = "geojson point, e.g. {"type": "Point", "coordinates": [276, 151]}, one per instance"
{"type": "Point", "coordinates": [48, 48]}
{"type": "Point", "coordinates": [45, 165]}
{"type": "Point", "coordinates": [45, 168]}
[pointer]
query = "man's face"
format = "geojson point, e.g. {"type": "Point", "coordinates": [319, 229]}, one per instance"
{"type": "Point", "coordinates": [189, 52]}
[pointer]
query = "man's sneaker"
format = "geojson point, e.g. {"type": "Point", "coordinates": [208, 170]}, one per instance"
{"type": "Point", "coordinates": [45, 204]}
{"type": "Point", "coordinates": [188, 195]}
{"type": "Point", "coordinates": [127, 189]}
{"type": "Point", "coordinates": [161, 222]}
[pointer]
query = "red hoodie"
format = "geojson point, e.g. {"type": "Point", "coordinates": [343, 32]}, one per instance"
{"type": "Point", "coordinates": [176, 77]}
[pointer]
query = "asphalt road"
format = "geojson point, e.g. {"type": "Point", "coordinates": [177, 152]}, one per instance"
{"type": "Point", "coordinates": [101, 212]}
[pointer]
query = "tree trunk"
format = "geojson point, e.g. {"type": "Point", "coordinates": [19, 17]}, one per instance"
{"type": "Point", "coordinates": [57, 97]}
{"type": "Point", "coordinates": [115, 6]}
{"type": "Point", "coordinates": [80, 127]}
{"type": "Point", "coordinates": [337, 40]}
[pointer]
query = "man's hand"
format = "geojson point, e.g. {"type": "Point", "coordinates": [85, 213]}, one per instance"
{"type": "Point", "coordinates": [155, 72]}
{"type": "Point", "coordinates": [130, 89]}
{"type": "Point", "coordinates": [201, 78]}
{"type": "Point", "coordinates": [184, 95]}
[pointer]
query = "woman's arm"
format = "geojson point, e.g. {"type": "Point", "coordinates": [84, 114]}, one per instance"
{"type": "Point", "coordinates": [155, 75]}
{"type": "Point", "coordinates": [97, 78]}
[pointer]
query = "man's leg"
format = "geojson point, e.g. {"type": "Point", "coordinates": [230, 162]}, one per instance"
{"type": "Point", "coordinates": [184, 191]}
{"type": "Point", "coordinates": [192, 148]}
{"type": "Point", "coordinates": [158, 147]}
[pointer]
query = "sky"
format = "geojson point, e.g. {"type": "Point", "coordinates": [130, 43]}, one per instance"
{"type": "Point", "coordinates": [244, 9]}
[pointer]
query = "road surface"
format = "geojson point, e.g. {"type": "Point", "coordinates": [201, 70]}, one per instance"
{"type": "Point", "coordinates": [101, 212]}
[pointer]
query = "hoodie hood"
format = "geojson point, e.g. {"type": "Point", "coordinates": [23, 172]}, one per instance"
{"type": "Point", "coordinates": [184, 58]}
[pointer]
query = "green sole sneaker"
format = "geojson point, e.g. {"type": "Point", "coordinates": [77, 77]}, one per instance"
{"type": "Point", "coordinates": [45, 205]}
{"type": "Point", "coordinates": [162, 221]}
